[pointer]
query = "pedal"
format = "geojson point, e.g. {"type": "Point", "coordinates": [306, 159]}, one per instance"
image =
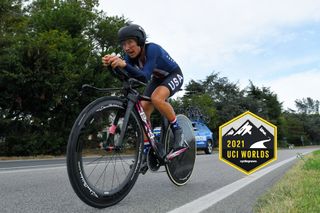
{"type": "Point", "coordinates": [143, 166]}
{"type": "Point", "coordinates": [143, 169]}
{"type": "Point", "coordinates": [152, 161]}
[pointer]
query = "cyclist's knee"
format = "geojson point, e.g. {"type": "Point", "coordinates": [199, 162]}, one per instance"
{"type": "Point", "coordinates": [156, 99]}
{"type": "Point", "coordinates": [147, 107]}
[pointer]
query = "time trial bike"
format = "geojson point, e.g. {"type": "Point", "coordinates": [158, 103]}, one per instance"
{"type": "Point", "coordinates": [105, 151]}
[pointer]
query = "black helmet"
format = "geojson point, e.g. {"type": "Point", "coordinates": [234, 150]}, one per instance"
{"type": "Point", "coordinates": [132, 31]}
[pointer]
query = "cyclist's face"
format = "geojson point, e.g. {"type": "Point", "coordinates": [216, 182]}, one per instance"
{"type": "Point", "coordinates": [131, 48]}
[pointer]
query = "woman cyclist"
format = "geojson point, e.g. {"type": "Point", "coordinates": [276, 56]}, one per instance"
{"type": "Point", "coordinates": [150, 63]}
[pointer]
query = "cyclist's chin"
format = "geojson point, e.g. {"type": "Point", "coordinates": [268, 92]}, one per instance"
{"type": "Point", "coordinates": [133, 54]}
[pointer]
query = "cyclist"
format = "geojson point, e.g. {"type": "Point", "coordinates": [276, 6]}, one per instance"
{"type": "Point", "coordinates": [149, 62]}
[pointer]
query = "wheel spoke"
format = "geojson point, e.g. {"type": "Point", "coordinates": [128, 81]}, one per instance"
{"type": "Point", "coordinates": [104, 171]}
{"type": "Point", "coordinates": [122, 164]}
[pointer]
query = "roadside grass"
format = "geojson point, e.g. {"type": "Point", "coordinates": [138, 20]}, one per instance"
{"type": "Point", "coordinates": [297, 191]}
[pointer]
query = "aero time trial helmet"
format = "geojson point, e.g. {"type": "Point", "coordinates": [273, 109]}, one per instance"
{"type": "Point", "coordinates": [132, 31]}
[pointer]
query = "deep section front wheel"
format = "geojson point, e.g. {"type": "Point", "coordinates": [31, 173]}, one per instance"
{"type": "Point", "coordinates": [180, 168]}
{"type": "Point", "coordinates": [102, 170]}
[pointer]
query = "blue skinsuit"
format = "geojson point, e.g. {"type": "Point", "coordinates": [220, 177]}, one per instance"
{"type": "Point", "coordinates": [158, 63]}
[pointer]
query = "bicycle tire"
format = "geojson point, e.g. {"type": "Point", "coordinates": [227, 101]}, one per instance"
{"type": "Point", "coordinates": [85, 159]}
{"type": "Point", "coordinates": [180, 168]}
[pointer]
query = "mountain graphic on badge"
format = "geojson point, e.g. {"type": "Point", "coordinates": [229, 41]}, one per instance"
{"type": "Point", "coordinates": [255, 138]}
{"type": "Point", "coordinates": [230, 132]}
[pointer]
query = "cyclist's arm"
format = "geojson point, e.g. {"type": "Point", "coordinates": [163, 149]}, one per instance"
{"type": "Point", "coordinates": [136, 73]}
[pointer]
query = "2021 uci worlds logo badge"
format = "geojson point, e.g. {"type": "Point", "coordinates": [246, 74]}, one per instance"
{"type": "Point", "coordinates": [248, 142]}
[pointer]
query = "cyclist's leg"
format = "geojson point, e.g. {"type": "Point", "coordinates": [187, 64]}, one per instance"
{"type": "Point", "coordinates": [147, 105]}
{"type": "Point", "coordinates": [158, 98]}
{"type": "Point", "coordinates": [169, 86]}
{"type": "Point", "coordinates": [148, 108]}
{"type": "Point", "coordinates": [166, 88]}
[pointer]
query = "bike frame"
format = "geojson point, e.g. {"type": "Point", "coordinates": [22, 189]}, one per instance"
{"type": "Point", "coordinates": [133, 102]}
{"type": "Point", "coordinates": [148, 131]}
{"type": "Point", "coordinates": [158, 148]}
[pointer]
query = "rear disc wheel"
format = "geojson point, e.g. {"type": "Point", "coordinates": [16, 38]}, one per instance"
{"type": "Point", "coordinates": [180, 168]}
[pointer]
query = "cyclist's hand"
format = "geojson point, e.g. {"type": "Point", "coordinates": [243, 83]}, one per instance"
{"type": "Point", "coordinates": [113, 61]}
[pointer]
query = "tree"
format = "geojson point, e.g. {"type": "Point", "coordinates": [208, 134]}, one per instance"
{"type": "Point", "coordinates": [50, 52]}
{"type": "Point", "coordinates": [226, 96]}
{"type": "Point", "coordinates": [12, 27]}
{"type": "Point", "coordinates": [307, 106]}
{"type": "Point", "coordinates": [308, 116]}
{"type": "Point", "coordinates": [265, 103]}
{"type": "Point", "coordinates": [104, 33]}
{"type": "Point", "coordinates": [294, 128]}
{"type": "Point", "coordinates": [194, 88]}
{"type": "Point", "coordinates": [217, 98]}
{"type": "Point", "coordinates": [223, 100]}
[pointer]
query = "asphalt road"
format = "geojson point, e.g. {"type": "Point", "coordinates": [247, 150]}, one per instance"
{"type": "Point", "coordinates": [43, 186]}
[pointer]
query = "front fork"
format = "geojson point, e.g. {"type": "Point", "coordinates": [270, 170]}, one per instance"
{"type": "Point", "coordinates": [134, 102]}
{"type": "Point", "coordinates": [110, 144]}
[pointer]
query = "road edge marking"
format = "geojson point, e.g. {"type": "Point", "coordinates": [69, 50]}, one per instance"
{"type": "Point", "coordinates": [31, 169]}
{"type": "Point", "coordinates": [208, 200]}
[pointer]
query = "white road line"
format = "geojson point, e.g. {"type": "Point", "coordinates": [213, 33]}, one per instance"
{"type": "Point", "coordinates": [17, 169]}
{"type": "Point", "coordinates": [32, 169]}
{"type": "Point", "coordinates": [214, 197]}
{"type": "Point", "coordinates": [38, 160]}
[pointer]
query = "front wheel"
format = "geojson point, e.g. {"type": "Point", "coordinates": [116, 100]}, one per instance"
{"type": "Point", "coordinates": [180, 168]}
{"type": "Point", "coordinates": [102, 170]}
